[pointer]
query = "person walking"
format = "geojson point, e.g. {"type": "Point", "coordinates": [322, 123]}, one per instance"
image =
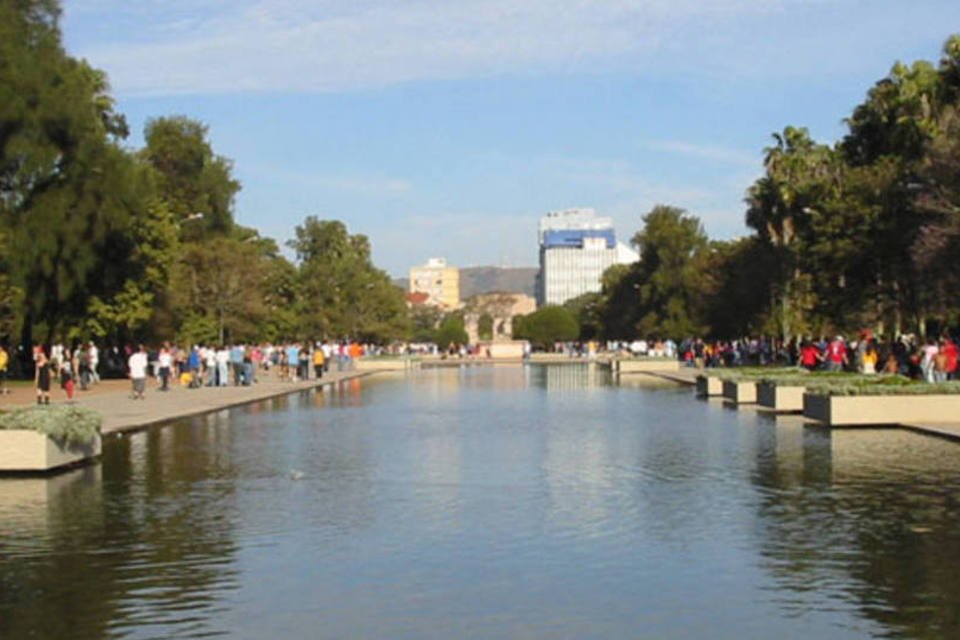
{"type": "Point", "coordinates": [41, 376]}
{"type": "Point", "coordinates": [137, 365]}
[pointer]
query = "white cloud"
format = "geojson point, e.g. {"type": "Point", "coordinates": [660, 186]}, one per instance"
{"type": "Point", "coordinates": [712, 153]}
{"type": "Point", "coordinates": [176, 46]}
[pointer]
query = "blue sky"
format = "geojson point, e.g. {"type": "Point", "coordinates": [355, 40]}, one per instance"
{"type": "Point", "coordinates": [444, 128]}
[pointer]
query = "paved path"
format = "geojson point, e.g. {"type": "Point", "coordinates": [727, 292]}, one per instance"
{"type": "Point", "coordinates": [112, 398]}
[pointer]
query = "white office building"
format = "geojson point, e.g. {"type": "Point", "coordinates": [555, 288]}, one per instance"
{"type": "Point", "coordinates": [576, 247]}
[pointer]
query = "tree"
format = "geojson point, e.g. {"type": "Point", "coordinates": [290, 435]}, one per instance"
{"type": "Point", "coordinates": [586, 309]}
{"type": "Point", "coordinates": [780, 206]}
{"type": "Point", "coordinates": [219, 284]}
{"type": "Point", "coordinates": [451, 332]}
{"type": "Point", "coordinates": [547, 326]}
{"type": "Point", "coordinates": [424, 322]}
{"type": "Point", "coordinates": [667, 277]}
{"type": "Point", "coordinates": [68, 192]}
{"type": "Point", "coordinates": [192, 179]}
{"type": "Point", "coordinates": [341, 293]}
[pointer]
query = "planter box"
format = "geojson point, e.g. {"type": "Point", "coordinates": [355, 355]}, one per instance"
{"type": "Point", "coordinates": [780, 397]}
{"type": "Point", "coordinates": [33, 451]}
{"type": "Point", "coordinates": [645, 366]}
{"type": "Point", "coordinates": [880, 410]}
{"type": "Point", "coordinates": [740, 392]}
{"type": "Point", "coordinates": [709, 386]}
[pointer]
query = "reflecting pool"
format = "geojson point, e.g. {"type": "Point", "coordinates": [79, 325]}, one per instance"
{"type": "Point", "coordinates": [489, 502]}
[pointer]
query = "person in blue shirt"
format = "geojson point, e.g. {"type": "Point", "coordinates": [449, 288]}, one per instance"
{"type": "Point", "coordinates": [293, 357]}
{"type": "Point", "coordinates": [236, 363]}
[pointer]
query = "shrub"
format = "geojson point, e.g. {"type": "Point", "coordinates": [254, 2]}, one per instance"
{"type": "Point", "coordinates": [67, 424]}
{"type": "Point", "coordinates": [892, 385]}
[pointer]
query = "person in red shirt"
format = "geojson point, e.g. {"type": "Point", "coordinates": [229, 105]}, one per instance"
{"type": "Point", "coordinates": [836, 354]}
{"type": "Point", "coordinates": [950, 350]}
{"type": "Point", "coordinates": [809, 355]}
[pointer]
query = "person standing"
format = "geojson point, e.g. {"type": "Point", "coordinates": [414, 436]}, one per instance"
{"type": "Point", "coordinates": [41, 376]}
{"type": "Point", "coordinates": [67, 375]}
{"type": "Point", "coordinates": [165, 360]}
{"type": "Point", "coordinates": [318, 361]}
{"type": "Point", "coordinates": [4, 365]}
{"type": "Point", "coordinates": [223, 362]}
{"type": "Point", "coordinates": [836, 354]}
{"type": "Point", "coordinates": [137, 364]}
{"type": "Point", "coordinates": [93, 358]}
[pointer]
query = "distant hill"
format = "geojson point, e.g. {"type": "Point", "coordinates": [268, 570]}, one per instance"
{"type": "Point", "coordinates": [474, 280]}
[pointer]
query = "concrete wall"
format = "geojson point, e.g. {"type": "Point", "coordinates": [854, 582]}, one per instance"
{"type": "Point", "coordinates": [780, 397]}
{"type": "Point", "coordinates": [33, 451]}
{"type": "Point", "coordinates": [740, 392]}
{"type": "Point", "coordinates": [709, 386]}
{"type": "Point", "coordinates": [880, 410]}
{"type": "Point", "coordinates": [642, 365]}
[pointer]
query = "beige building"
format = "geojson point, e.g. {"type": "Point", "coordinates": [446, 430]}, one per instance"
{"type": "Point", "coordinates": [502, 308]}
{"type": "Point", "coordinates": [439, 281]}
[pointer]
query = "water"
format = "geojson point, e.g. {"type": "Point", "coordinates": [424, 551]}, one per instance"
{"type": "Point", "coordinates": [489, 503]}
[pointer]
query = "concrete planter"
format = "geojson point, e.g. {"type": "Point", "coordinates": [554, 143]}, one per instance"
{"type": "Point", "coordinates": [645, 366]}
{"type": "Point", "coordinates": [880, 410]}
{"type": "Point", "coordinates": [33, 451]}
{"type": "Point", "coordinates": [740, 392]}
{"type": "Point", "coordinates": [709, 386]}
{"type": "Point", "coordinates": [785, 398]}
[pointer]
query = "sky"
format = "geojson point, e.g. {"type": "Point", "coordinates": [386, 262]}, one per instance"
{"type": "Point", "coordinates": [444, 128]}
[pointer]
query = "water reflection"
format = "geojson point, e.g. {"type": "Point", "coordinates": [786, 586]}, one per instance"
{"type": "Point", "coordinates": [489, 502]}
{"type": "Point", "coordinates": [868, 518]}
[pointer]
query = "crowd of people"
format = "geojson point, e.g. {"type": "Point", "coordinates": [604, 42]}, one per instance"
{"type": "Point", "coordinates": [932, 360]}
{"type": "Point", "coordinates": [80, 367]}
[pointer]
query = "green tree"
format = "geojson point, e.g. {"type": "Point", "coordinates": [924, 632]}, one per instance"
{"type": "Point", "coordinates": [191, 177]}
{"type": "Point", "coordinates": [547, 326]}
{"type": "Point", "coordinates": [451, 332]}
{"type": "Point", "coordinates": [586, 309]}
{"type": "Point", "coordinates": [668, 278]}
{"type": "Point", "coordinates": [341, 293]}
{"type": "Point", "coordinates": [219, 283]}
{"type": "Point", "coordinates": [68, 192]}
{"type": "Point", "coordinates": [424, 321]}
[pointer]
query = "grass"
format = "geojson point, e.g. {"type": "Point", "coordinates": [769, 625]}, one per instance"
{"type": "Point", "coordinates": [744, 374]}
{"type": "Point", "coordinates": [67, 424]}
{"type": "Point", "coordinates": [888, 385]}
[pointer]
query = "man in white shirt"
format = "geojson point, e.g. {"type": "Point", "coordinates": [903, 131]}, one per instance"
{"type": "Point", "coordinates": [138, 372]}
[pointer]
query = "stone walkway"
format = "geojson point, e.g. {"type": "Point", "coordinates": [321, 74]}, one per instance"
{"type": "Point", "coordinates": [112, 398]}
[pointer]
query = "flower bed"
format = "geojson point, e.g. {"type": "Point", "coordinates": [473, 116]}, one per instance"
{"type": "Point", "coordinates": [43, 438]}
{"type": "Point", "coordinates": [748, 373]}
{"type": "Point", "coordinates": [784, 392]}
